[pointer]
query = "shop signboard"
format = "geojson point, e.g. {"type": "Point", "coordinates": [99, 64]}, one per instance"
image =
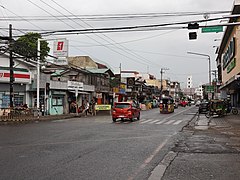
{"type": "Point", "coordinates": [231, 65]}
{"type": "Point", "coordinates": [21, 75]}
{"type": "Point", "coordinates": [60, 48]}
{"type": "Point", "coordinates": [99, 95]}
{"type": "Point", "coordinates": [73, 85]}
{"type": "Point", "coordinates": [103, 107]}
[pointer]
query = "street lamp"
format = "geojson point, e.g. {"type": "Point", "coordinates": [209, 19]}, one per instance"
{"type": "Point", "coordinates": [209, 63]}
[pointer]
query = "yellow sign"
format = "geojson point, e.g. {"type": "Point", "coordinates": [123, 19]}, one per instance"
{"type": "Point", "coordinates": [123, 86]}
{"type": "Point", "coordinates": [116, 90]}
{"type": "Point", "coordinates": [103, 107]}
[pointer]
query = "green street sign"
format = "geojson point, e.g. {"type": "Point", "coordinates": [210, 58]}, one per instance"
{"type": "Point", "coordinates": [209, 89]}
{"type": "Point", "coordinates": [212, 29]}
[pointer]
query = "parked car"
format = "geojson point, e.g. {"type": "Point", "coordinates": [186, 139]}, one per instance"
{"type": "Point", "coordinates": [203, 107]}
{"type": "Point", "coordinates": [128, 110]}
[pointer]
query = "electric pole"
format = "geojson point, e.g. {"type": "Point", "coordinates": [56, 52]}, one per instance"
{"type": "Point", "coordinates": [214, 72]}
{"type": "Point", "coordinates": [11, 63]}
{"type": "Point", "coordinates": [161, 72]}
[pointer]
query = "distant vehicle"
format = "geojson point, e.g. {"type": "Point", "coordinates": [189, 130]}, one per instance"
{"type": "Point", "coordinates": [198, 103]}
{"type": "Point", "coordinates": [166, 105]}
{"type": "Point", "coordinates": [128, 110]}
{"type": "Point", "coordinates": [203, 107]}
{"type": "Point", "coordinates": [192, 102]}
{"type": "Point", "coordinates": [176, 104]}
{"type": "Point", "coordinates": [183, 103]}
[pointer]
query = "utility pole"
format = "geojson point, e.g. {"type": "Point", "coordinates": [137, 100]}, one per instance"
{"type": "Point", "coordinates": [214, 72]}
{"type": "Point", "coordinates": [11, 63]}
{"type": "Point", "coordinates": [161, 72]}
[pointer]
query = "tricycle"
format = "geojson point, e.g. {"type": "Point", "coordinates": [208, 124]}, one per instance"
{"type": "Point", "coordinates": [216, 107]}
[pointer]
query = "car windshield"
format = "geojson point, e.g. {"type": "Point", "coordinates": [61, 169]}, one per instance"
{"type": "Point", "coordinates": [122, 105]}
{"type": "Point", "coordinates": [166, 101]}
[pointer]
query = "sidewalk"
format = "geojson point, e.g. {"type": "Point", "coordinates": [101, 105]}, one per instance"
{"type": "Point", "coordinates": [208, 149]}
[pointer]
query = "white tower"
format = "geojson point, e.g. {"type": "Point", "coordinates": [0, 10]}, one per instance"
{"type": "Point", "coordinates": [189, 82]}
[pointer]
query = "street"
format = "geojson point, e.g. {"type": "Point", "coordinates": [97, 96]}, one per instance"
{"type": "Point", "coordinates": [90, 147]}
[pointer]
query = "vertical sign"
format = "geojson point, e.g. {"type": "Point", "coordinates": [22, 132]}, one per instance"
{"type": "Point", "coordinates": [60, 48]}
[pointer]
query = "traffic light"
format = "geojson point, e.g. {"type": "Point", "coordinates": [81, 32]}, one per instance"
{"type": "Point", "coordinates": [47, 88]}
{"type": "Point", "coordinates": [193, 26]}
{"type": "Point", "coordinates": [192, 35]}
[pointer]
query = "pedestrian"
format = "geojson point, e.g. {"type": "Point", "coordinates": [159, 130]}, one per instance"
{"type": "Point", "coordinates": [93, 103]}
{"type": "Point", "coordinates": [87, 108]}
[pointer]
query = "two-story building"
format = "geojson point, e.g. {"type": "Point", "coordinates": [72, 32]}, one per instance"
{"type": "Point", "coordinates": [228, 59]}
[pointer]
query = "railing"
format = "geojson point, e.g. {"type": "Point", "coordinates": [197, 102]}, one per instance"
{"type": "Point", "coordinates": [16, 114]}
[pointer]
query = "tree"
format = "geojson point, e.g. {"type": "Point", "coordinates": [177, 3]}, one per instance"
{"type": "Point", "coordinates": [26, 46]}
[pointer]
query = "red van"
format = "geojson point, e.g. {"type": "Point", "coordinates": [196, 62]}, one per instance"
{"type": "Point", "coordinates": [128, 110]}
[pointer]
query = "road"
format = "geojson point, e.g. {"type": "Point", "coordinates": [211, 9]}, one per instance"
{"type": "Point", "coordinates": [89, 147]}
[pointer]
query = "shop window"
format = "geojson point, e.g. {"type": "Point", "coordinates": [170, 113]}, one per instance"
{"type": "Point", "coordinates": [57, 101]}
{"type": "Point", "coordinates": [18, 100]}
{"type": "Point", "coordinates": [5, 100]}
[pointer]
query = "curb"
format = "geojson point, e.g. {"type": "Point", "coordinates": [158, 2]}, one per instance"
{"type": "Point", "coordinates": [159, 171]}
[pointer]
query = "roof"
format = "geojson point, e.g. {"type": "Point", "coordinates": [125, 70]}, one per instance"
{"type": "Point", "coordinates": [101, 71]}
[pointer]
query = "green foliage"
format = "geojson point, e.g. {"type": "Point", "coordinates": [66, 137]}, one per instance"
{"type": "Point", "coordinates": [26, 46]}
{"type": "Point", "coordinates": [114, 82]}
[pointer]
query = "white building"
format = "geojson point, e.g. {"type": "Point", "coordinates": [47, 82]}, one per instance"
{"type": "Point", "coordinates": [199, 91]}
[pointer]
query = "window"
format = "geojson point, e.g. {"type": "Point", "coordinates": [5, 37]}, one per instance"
{"type": "Point", "coordinates": [122, 105]}
{"type": "Point", "coordinates": [57, 101]}
{"type": "Point", "coordinates": [5, 100]}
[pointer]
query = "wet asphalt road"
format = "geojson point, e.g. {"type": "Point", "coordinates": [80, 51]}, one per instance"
{"type": "Point", "coordinates": [89, 148]}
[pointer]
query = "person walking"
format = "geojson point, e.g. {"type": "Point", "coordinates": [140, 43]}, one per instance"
{"type": "Point", "coordinates": [87, 108]}
{"type": "Point", "coordinates": [93, 103]}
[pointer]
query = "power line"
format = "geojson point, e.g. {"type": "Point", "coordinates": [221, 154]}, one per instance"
{"type": "Point", "coordinates": [107, 17]}
{"type": "Point", "coordinates": [98, 35]}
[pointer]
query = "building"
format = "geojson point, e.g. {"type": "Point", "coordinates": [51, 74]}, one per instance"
{"type": "Point", "coordinates": [175, 90]}
{"type": "Point", "coordinates": [22, 80]}
{"type": "Point", "coordinates": [228, 60]}
{"type": "Point", "coordinates": [199, 92]}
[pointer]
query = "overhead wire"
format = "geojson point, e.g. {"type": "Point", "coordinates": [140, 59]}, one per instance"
{"type": "Point", "coordinates": [92, 27]}
{"type": "Point", "coordinates": [107, 17]}
{"type": "Point", "coordinates": [124, 48]}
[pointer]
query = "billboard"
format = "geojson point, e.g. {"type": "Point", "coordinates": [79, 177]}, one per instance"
{"type": "Point", "coordinates": [60, 48]}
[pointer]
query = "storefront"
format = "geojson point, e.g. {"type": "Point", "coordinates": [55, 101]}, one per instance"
{"type": "Point", "coordinates": [22, 79]}
{"type": "Point", "coordinates": [57, 102]}
{"type": "Point", "coordinates": [228, 61]}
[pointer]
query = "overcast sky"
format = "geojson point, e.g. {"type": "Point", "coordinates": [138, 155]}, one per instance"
{"type": "Point", "coordinates": [145, 51]}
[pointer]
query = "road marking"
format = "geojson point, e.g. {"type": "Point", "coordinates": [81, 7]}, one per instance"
{"type": "Point", "coordinates": [143, 122]}
{"type": "Point", "coordinates": [154, 121]}
{"type": "Point", "coordinates": [148, 160]}
{"type": "Point", "coordinates": [177, 122]}
{"type": "Point", "coordinates": [162, 121]}
{"type": "Point", "coordinates": [169, 122]}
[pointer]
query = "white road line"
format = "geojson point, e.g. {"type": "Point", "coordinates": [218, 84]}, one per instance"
{"type": "Point", "coordinates": [177, 122]}
{"type": "Point", "coordinates": [154, 121]}
{"type": "Point", "coordinates": [169, 122]}
{"type": "Point", "coordinates": [162, 121]}
{"type": "Point", "coordinates": [143, 122]}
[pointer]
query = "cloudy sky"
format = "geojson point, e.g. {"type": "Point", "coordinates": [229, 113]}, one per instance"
{"type": "Point", "coordinates": [146, 51]}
